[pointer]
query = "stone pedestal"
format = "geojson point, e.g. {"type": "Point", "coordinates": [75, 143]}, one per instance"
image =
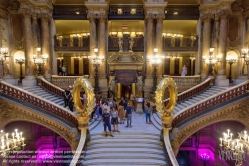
{"type": "Point", "coordinates": [29, 81]}
{"type": "Point", "coordinates": [139, 109]}
{"type": "Point", "coordinates": [240, 80]}
{"type": "Point", "coordinates": [10, 80]}
{"type": "Point", "coordinates": [221, 81]}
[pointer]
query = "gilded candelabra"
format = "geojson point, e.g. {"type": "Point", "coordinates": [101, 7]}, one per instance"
{"type": "Point", "coordinates": [96, 61]}
{"type": "Point", "coordinates": [236, 147]}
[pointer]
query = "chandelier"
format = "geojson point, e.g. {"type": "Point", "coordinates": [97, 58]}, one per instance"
{"type": "Point", "coordinates": [237, 147]}
{"type": "Point", "coordinates": [15, 141]}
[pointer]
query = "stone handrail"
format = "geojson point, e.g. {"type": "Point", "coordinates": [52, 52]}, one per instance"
{"type": "Point", "coordinates": [169, 151]}
{"type": "Point", "coordinates": [65, 80]}
{"type": "Point", "coordinates": [51, 87]}
{"type": "Point", "coordinates": [79, 150]}
{"type": "Point", "coordinates": [212, 101]}
{"type": "Point", "coordinates": [192, 91]}
{"type": "Point", "coordinates": [25, 96]}
{"type": "Point", "coordinates": [186, 80]}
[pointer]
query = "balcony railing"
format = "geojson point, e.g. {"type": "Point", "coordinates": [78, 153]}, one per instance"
{"type": "Point", "coordinates": [69, 12]}
{"type": "Point", "coordinates": [126, 12]}
{"type": "Point", "coordinates": [71, 43]}
{"type": "Point", "coordinates": [65, 81]}
{"type": "Point", "coordinates": [138, 45]}
{"type": "Point", "coordinates": [180, 43]}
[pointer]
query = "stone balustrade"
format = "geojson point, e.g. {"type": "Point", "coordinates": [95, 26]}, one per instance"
{"type": "Point", "coordinates": [65, 81]}
{"type": "Point", "coordinates": [228, 95]}
{"type": "Point", "coordinates": [24, 96]}
{"type": "Point", "coordinates": [192, 91]}
{"type": "Point", "coordinates": [186, 80]}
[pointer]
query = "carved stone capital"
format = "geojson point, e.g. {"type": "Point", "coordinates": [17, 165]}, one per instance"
{"type": "Point", "coordinates": [91, 16]}
{"type": "Point", "coordinates": [160, 17]}
{"type": "Point", "coordinates": [207, 17]}
{"type": "Point", "coordinates": [149, 17]}
{"type": "Point", "coordinates": [25, 12]}
{"type": "Point", "coordinates": [3, 13]}
{"type": "Point", "coordinates": [45, 16]}
{"type": "Point", "coordinates": [224, 13]}
{"type": "Point", "coordinates": [102, 17]}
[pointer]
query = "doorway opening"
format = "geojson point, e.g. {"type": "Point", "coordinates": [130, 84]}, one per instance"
{"type": "Point", "coordinates": [126, 90]}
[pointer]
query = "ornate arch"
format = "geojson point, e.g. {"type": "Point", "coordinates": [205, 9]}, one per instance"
{"type": "Point", "coordinates": [238, 111]}
{"type": "Point", "coordinates": [10, 112]}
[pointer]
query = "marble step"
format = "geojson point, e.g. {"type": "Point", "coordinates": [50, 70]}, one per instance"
{"type": "Point", "coordinates": [125, 156]}
{"type": "Point", "coordinates": [122, 145]}
{"type": "Point", "coordinates": [126, 162]}
{"type": "Point", "coordinates": [135, 150]}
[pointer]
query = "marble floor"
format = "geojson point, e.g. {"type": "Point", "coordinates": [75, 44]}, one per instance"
{"type": "Point", "coordinates": [138, 125]}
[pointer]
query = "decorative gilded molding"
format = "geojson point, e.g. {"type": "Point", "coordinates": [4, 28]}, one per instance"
{"type": "Point", "coordinates": [10, 112]}
{"type": "Point", "coordinates": [238, 111]}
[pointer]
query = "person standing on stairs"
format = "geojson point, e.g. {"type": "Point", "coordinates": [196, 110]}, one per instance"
{"type": "Point", "coordinates": [148, 111]}
{"type": "Point", "coordinates": [67, 95]}
{"type": "Point", "coordinates": [106, 121]}
{"type": "Point", "coordinates": [128, 111]}
{"type": "Point", "coordinates": [114, 121]}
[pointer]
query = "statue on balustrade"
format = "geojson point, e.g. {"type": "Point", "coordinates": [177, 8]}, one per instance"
{"type": "Point", "coordinates": [139, 87]}
{"type": "Point", "coordinates": [120, 44]}
{"type": "Point", "coordinates": [112, 89]}
{"type": "Point", "coordinates": [131, 42]}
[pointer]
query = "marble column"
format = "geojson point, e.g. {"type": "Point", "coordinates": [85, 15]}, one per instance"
{"type": "Point", "coordinates": [28, 50]}
{"type": "Point", "coordinates": [149, 43]}
{"type": "Point", "coordinates": [221, 78]}
{"type": "Point", "coordinates": [159, 41]}
{"type": "Point", "coordinates": [102, 44]}
{"type": "Point", "coordinates": [93, 42]}
{"type": "Point", "coordinates": [35, 32]}
{"type": "Point", "coordinates": [45, 45]}
{"type": "Point", "coordinates": [206, 42]}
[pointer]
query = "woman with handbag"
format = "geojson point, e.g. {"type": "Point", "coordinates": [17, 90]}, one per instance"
{"type": "Point", "coordinates": [114, 120]}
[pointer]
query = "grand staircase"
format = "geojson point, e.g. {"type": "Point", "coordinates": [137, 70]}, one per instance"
{"type": "Point", "coordinates": [136, 146]}
{"type": "Point", "coordinates": [38, 91]}
{"type": "Point", "coordinates": [213, 90]}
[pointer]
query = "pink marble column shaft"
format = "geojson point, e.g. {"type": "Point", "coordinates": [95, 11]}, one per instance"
{"type": "Point", "coordinates": [222, 45]}
{"type": "Point", "coordinates": [102, 44]}
{"type": "Point", "coordinates": [28, 45]}
{"type": "Point", "coordinates": [45, 44]}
